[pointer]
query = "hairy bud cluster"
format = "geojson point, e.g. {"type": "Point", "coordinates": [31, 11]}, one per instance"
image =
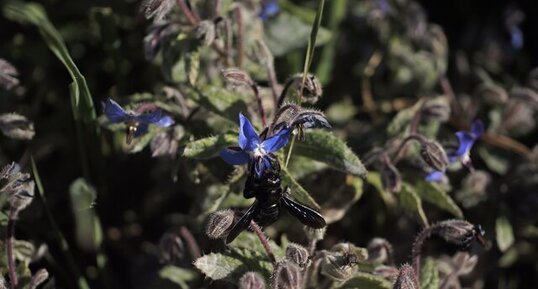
{"type": "Point", "coordinates": [252, 280]}
{"type": "Point", "coordinates": [340, 263]}
{"type": "Point", "coordinates": [287, 276]}
{"type": "Point", "coordinates": [219, 223]}
{"type": "Point", "coordinates": [456, 231]}
{"type": "Point", "coordinates": [407, 278]}
{"type": "Point", "coordinates": [297, 254]}
{"type": "Point", "coordinates": [18, 186]}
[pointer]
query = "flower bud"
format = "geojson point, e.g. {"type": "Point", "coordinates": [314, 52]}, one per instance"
{"type": "Point", "coordinates": [219, 223]}
{"type": "Point", "coordinates": [8, 75]}
{"type": "Point", "coordinates": [16, 126]}
{"type": "Point", "coordinates": [237, 77]}
{"type": "Point", "coordinates": [312, 90]}
{"type": "Point", "coordinates": [434, 155]}
{"type": "Point", "coordinates": [458, 232]}
{"type": "Point", "coordinates": [251, 280]}
{"type": "Point", "coordinates": [171, 248]}
{"type": "Point", "coordinates": [391, 178]}
{"type": "Point", "coordinates": [297, 254]}
{"type": "Point", "coordinates": [476, 181]}
{"type": "Point", "coordinates": [205, 31]}
{"type": "Point", "coordinates": [407, 278]}
{"type": "Point", "coordinates": [338, 267]}
{"type": "Point", "coordinates": [315, 234]}
{"type": "Point", "coordinates": [39, 277]}
{"type": "Point", "coordinates": [379, 251]}
{"type": "Point", "coordinates": [20, 190]}
{"type": "Point", "coordinates": [492, 94]}
{"type": "Point", "coordinates": [386, 272]}
{"type": "Point", "coordinates": [287, 276]}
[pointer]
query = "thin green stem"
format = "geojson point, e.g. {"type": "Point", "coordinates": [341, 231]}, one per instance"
{"type": "Point", "coordinates": [289, 152]}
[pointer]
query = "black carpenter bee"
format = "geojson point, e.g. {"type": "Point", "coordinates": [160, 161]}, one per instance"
{"type": "Point", "coordinates": [271, 198]}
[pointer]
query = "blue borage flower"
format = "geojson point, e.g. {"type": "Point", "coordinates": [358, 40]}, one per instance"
{"type": "Point", "coordinates": [269, 8]}
{"type": "Point", "coordinates": [252, 148]}
{"type": "Point", "coordinates": [137, 122]}
{"type": "Point", "coordinates": [466, 142]}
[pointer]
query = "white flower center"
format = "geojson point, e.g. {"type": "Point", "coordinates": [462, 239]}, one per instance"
{"type": "Point", "coordinates": [259, 151]}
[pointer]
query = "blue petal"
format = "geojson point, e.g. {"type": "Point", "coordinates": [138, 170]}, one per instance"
{"type": "Point", "coordinates": [260, 166]}
{"type": "Point", "coordinates": [141, 129]}
{"type": "Point", "coordinates": [270, 8]}
{"type": "Point", "coordinates": [152, 117]}
{"type": "Point", "coordinates": [234, 156]}
{"type": "Point", "coordinates": [165, 121]}
{"type": "Point", "coordinates": [434, 176]}
{"type": "Point", "coordinates": [113, 111]}
{"type": "Point", "coordinates": [277, 141]}
{"type": "Point", "coordinates": [248, 138]}
{"type": "Point", "coordinates": [466, 143]}
{"type": "Point", "coordinates": [516, 37]}
{"type": "Point", "coordinates": [477, 128]}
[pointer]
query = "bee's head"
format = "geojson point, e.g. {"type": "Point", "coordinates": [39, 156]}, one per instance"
{"type": "Point", "coordinates": [131, 131]}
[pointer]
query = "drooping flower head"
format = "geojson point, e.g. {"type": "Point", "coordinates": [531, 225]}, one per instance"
{"type": "Point", "coordinates": [462, 153]}
{"type": "Point", "coordinates": [137, 122]}
{"type": "Point", "coordinates": [252, 148]}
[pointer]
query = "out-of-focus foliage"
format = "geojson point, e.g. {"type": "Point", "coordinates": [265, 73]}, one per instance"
{"type": "Point", "coordinates": [386, 100]}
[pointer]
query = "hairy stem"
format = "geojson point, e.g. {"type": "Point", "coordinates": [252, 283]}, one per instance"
{"type": "Point", "coordinates": [398, 154]}
{"type": "Point", "coordinates": [419, 242]}
{"type": "Point", "coordinates": [284, 92]}
{"type": "Point", "coordinates": [10, 236]}
{"type": "Point", "coordinates": [259, 102]}
{"type": "Point", "coordinates": [189, 14]}
{"type": "Point", "coordinates": [192, 245]}
{"type": "Point", "coordinates": [263, 240]}
{"type": "Point", "coordinates": [289, 151]}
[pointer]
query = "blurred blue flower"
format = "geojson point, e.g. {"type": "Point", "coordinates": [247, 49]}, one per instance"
{"type": "Point", "coordinates": [137, 122]}
{"type": "Point", "coordinates": [269, 8]}
{"type": "Point", "coordinates": [466, 142]}
{"type": "Point", "coordinates": [252, 148]}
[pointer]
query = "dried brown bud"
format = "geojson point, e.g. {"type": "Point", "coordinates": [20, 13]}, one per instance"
{"type": "Point", "coordinates": [219, 223]}
{"type": "Point", "coordinates": [297, 254]}
{"type": "Point", "coordinates": [458, 232]}
{"type": "Point", "coordinates": [434, 155]}
{"type": "Point", "coordinates": [251, 280]}
{"type": "Point", "coordinates": [379, 251]}
{"type": "Point", "coordinates": [8, 75]}
{"type": "Point", "coordinates": [338, 267]}
{"type": "Point", "coordinates": [387, 272]}
{"type": "Point", "coordinates": [287, 276]}
{"type": "Point", "coordinates": [407, 278]}
{"type": "Point", "coordinates": [237, 77]}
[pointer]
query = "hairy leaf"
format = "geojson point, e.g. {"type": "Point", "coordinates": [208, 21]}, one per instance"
{"type": "Point", "coordinates": [364, 280]}
{"type": "Point", "coordinates": [437, 196]}
{"type": "Point", "coordinates": [208, 147]}
{"type": "Point", "coordinates": [429, 275]}
{"type": "Point", "coordinates": [177, 275]}
{"type": "Point", "coordinates": [225, 103]}
{"type": "Point", "coordinates": [297, 191]}
{"type": "Point", "coordinates": [323, 146]}
{"type": "Point", "coordinates": [410, 200]}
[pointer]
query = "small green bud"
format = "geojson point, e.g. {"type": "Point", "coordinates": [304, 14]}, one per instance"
{"type": "Point", "coordinates": [407, 278]}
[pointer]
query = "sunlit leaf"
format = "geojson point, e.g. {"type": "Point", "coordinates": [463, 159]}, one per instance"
{"type": "Point", "coordinates": [177, 275]}
{"type": "Point", "coordinates": [364, 280]}
{"type": "Point", "coordinates": [429, 275]}
{"type": "Point", "coordinates": [437, 196]}
{"type": "Point", "coordinates": [323, 146]}
{"type": "Point", "coordinates": [88, 228]}
{"type": "Point", "coordinates": [410, 200]}
{"type": "Point", "coordinates": [297, 191]}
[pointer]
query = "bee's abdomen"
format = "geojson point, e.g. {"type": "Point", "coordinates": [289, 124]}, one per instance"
{"type": "Point", "coordinates": [268, 215]}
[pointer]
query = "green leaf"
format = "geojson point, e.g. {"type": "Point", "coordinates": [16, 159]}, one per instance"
{"type": "Point", "coordinates": [297, 191]}
{"type": "Point", "coordinates": [429, 275]}
{"type": "Point", "coordinates": [232, 264]}
{"type": "Point", "coordinates": [437, 196]}
{"type": "Point", "coordinates": [342, 199]}
{"type": "Point", "coordinates": [410, 200]}
{"type": "Point", "coordinates": [192, 65]}
{"type": "Point", "coordinates": [209, 147]}
{"type": "Point", "coordinates": [323, 146]}
{"type": "Point", "coordinates": [282, 40]}
{"type": "Point", "coordinates": [504, 233]}
{"type": "Point", "coordinates": [374, 179]}
{"type": "Point", "coordinates": [88, 228]}
{"type": "Point", "coordinates": [177, 275]}
{"type": "Point", "coordinates": [402, 120]}
{"type": "Point", "coordinates": [248, 240]}
{"type": "Point", "coordinates": [312, 41]}
{"type": "Point", "coordinates": [363, 280]}
{"type": "Point", "coordinates": [300, 167]}
{"type": "Point", "coordinates": [338, 11]}
{"type": "Point", "coordinates": [225, 103]}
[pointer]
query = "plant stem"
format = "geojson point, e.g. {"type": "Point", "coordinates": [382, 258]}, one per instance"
{"type": "Point", "coordinates": [419, 242]}
{"type": "Point", "coordinates": [10, 236]}
{"type": "Point", "coordinates": [263, 240]}
{"type": "Point", "coordinates": [259, 102]}
{"type": "Point", "coordinates": [194, 249]}
{"type": "Point", "coordinates": [289, 152]}
{"type": "Point", "coordinates": [189, 14]}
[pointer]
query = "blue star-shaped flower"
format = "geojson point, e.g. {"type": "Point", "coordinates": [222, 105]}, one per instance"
{"type": "Point", "coordinates": [252, 148]}
{"type": "Point", "coordinates": [269, 8]}
{"type": "Point", "coordinates": [466, 142]}
{"type": "Point", "coordinates": [137, 122]}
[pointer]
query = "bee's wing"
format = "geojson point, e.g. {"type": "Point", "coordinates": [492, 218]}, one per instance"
{"type": "Point", "coordinates": [243, 222]}
{"type": "Point", "coordinates": [305, 214]}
